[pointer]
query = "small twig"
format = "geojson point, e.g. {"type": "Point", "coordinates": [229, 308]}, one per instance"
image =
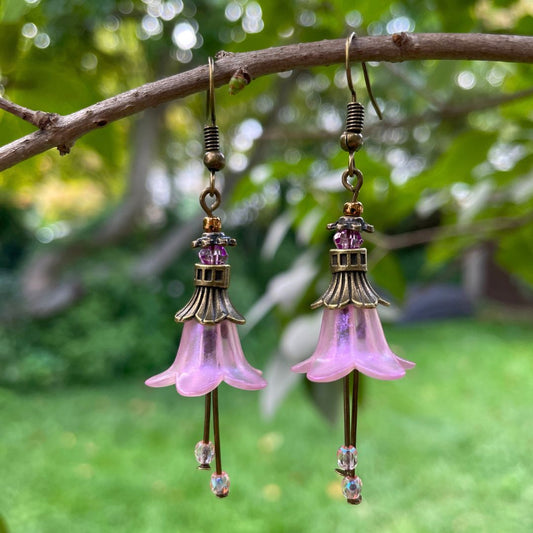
{"type": "Point", "coordinates": [417, 87]}
{"type": "Point", "coordinates": [40, 119]}
{"type": "Point", "coordinates": [423, 236]}
{"type": "Point", "coordinates": [480, 104]}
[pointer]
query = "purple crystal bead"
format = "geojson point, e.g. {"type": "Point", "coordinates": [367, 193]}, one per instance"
{"type": "Point", "coordinates": [347, 239]}
{"type": "Point", "coordinates": [213, 255]}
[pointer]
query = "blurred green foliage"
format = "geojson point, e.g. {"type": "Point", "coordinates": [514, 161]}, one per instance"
{"type": "Point", "coordinates": [115, 327]}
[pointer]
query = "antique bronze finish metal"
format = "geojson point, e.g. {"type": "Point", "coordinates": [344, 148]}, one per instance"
{"type": "Point", "coordinates": [210, 303]}
{"type": "Point", "coordinates": [212, 224]}
{"type": "Point", "coordinates": [365, 74]}
{"type": "Point", "coordinates": [352, 139]}
{"type": "Point", "coordinates": [207, 423]}
{"type": "Point", "coordinates": [349, 284]}
{"type": "Point", "coordinates": [216, 431]}
{"type": "Point", "coordinates": [213, 158]}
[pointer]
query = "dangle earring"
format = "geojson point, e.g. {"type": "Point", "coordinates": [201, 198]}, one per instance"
{"type": "Point", "coordinates": [210, 350]}
{"type": "Point", "coordinates": [351, 337]}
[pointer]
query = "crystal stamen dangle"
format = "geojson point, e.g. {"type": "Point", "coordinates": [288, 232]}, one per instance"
{"type": "Point", "coordinates": [210, 350]}
{"type": "Point", "coordinates": [351, 338]}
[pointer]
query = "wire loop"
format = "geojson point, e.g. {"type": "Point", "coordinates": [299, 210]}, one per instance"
{"type": "Point", "coordinates": [354, 189]}
{"type": "Point", "coordinates": [214, 193]}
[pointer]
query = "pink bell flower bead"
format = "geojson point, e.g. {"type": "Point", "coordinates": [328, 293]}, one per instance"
{"type": "Point", "coordinates": [352, 339]}
{"type": "Point", "coordinates": [208, 355]}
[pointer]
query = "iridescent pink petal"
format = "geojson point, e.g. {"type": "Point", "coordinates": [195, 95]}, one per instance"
{"type": "Point", "coordinates": [352, 338]}
{"type": "Point", "coordinates": [199, 369]}
{"type": "Point", "coordinates": [237, 371]}
{"type": "Point", "coordinates": [208, 355]}
{"type": "Point", "coordinates": [405, 363]}
{"type": "Point", "coordinates": [167, 377]}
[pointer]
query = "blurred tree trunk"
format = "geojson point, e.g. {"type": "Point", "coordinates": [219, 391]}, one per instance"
{"type": "Point", "coordinates": [46, 285]}
{"type": "Point", "coordinates": [484, 279]}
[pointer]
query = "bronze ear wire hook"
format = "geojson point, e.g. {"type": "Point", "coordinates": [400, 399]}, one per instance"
{"type": "Point", "coordinates": [351, 139]}
{"type": "Point", "coordinates": [213, 157]}
{"type": "Point", "coordinates": [210, 104]}
{"type": "Point", "coordinates": [375, 105]}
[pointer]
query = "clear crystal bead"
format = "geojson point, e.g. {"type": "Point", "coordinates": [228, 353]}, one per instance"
{"type": "Point", "coordinates": [204, 452]}
{"type": "Point", "coordinates": [351, 487]}
{"type": "Point", "coordinates": [213, 255]}
{"type": "Point", "coordinates": [220, 484]}
{"type": "Point", "coordinates": [347, 457]}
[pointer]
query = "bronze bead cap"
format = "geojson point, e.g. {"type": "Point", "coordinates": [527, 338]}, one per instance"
{"type": "Point", "coordinates": [210, 302]}
{"type": "Point", "coordinates": [349, 284]}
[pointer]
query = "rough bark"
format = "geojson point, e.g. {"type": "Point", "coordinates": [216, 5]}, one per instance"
{"type": "Point", "coordinates": [63, 131]}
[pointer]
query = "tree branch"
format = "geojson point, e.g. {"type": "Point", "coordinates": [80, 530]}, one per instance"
{"type": "Point", "coordinates": [398, 47]}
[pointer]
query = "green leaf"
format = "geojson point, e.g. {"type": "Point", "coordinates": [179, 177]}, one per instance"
{"type": "Point", "coordinates": [388, 274]}
{"type": "Point", "coordinates": [12, 10]}
{"type": "Point", "coordinates": [525, 26]}
{"type": "Point", "coordinates": [456, 163]}
{"type": "Point", "coordinates": [512, 249]}
{"type": "Point", "coordinates": [9, 37]}
{"type": "Point", "coordinates": [442, 251]}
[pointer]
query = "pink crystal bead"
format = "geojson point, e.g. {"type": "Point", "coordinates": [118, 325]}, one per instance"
{"type": "Point", "coordinates": [351, 487]}
{"type": "Point", "coordinates": [347, 457]}
{"type": "Point", "coordinates": [204, 453]}
{"type": "Point", "coordinates": [213, 255]}
{"type": "Point", "coordinates": [347, 239]}
{"type": "Point", "coordinates": [220, 484]}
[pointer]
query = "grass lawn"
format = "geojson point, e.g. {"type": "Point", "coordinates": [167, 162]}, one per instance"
{"type": "Point", "coordinates": [447, 449]}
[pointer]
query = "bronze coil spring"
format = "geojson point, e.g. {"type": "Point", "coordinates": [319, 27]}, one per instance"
{"type": "Point", "coordinates": [355, 117]}
{"type": "Point", "coordinates": [211, 139]}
